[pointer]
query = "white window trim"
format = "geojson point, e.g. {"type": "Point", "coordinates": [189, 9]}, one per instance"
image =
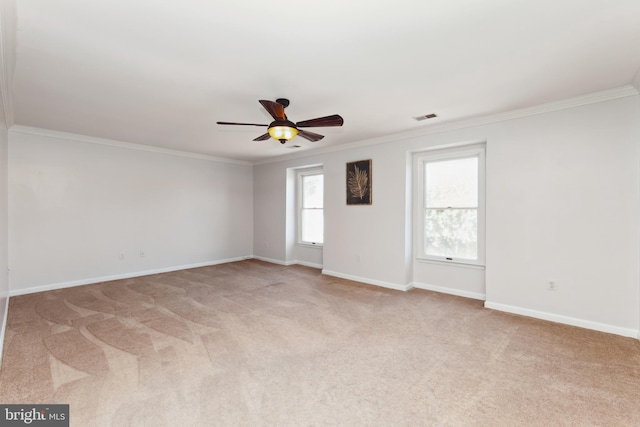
{"type": "Point", "coordinates": [299, 174]}
{"type": "Point", "coordinates": [419, 161]}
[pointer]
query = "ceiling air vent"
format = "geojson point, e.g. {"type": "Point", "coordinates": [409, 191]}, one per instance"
{"type": "Point", "coordinates": [425, 117]}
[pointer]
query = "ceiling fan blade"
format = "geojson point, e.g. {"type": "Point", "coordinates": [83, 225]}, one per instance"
{"type": "Point", "coordinates": [276, 110]}
{"type": "Point", "coordinates": [240, 124]}
{"type": "Point", "coordinates": [334, 120]}
{"type": "Point", "coordinates": [311, 136]}
{"type": "Point", "coordinates": [263, 137]}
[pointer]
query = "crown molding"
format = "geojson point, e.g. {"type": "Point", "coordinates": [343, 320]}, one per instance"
{"type": "Point", "coordinates": [120, 144]}
{"type": "Point", "coordinates": [7, 57]}
{"type": "Point", "coordinates": [592, 98]}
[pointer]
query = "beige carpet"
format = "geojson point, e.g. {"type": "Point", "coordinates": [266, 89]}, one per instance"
{"type": "Point", "coordinates": [257, 344]}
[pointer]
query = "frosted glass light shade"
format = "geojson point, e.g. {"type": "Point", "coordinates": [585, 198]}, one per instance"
{"type": "Point", "coordinates": [282, 132]}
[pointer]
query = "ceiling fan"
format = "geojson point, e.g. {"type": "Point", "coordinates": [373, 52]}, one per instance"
{"type": "Point", "coordinates": [284, 130]}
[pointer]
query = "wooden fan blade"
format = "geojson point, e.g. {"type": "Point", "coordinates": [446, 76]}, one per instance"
{"type": "Point", "coordinates": [263, 137]}
{"type": "Point", "coordinates": [276, 110]}
{"type": "Point", "coordinates": [311, 136]}
{"type": "Point", "coordinates": [240, 124]}
{"type": "Point", "coordinates": [334, 120]}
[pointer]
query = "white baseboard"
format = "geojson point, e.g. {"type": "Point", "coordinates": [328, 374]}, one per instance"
{"type": "Point", "coordinates": [296, 262]}
{"type": "Point", "coordinates": [89, 281]}
{"type": "Point", "coordinates": [4, 328]}
{"type": "Point", "coordinates": [573, 321]}
{"type": "Point", "coordinates": [308, 264]}
{"type": "Point", "coordinates": [381, 283]}
{"type": "Point", "coordinates": [273, 261]}
{"type": "Point", "coordinates": [450, 291]}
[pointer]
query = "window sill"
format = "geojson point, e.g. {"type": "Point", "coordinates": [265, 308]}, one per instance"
{"type": "Point", "coordinates": [310, 245]}
{"type": "Point", "coordinates": [451, 263]}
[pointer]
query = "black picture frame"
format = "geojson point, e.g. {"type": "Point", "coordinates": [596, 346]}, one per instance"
{"type": "Point", "coordinates": [358, 182]}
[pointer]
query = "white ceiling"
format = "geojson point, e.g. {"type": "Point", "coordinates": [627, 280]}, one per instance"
{"type": "Point", "coordinates": [161, 73]}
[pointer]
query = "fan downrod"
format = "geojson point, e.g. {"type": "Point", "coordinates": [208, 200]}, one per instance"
{"type": "Point", "coordinates": [283, 101]}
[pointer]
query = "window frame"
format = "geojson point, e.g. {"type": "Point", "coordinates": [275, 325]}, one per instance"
{"type": "Point", "coordinates": [421, 159]}
{"type": "Point", "coordinates": [300, 174]}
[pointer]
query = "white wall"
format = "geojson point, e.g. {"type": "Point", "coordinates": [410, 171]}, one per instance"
{"type": "Point", "coordinates": [310, 256]}
{"type": "Point", "coordinates": [563, 202]}
{"type": "Point", "coordinates": [367, 242]}
{"type": "Point", "coordinates": [7, 60]}
{"type": "Point", "coordinates": [75, 206]}
{"type": "Point", "coordinates": [4, 224]}
{"type": "Point", "coordinates": [350, 231]}
{"type": "Point", "coordinates": [565, 206]}
{"type": "Point", "coordinates": [275, 216]}
{"type": "Point", "coordinates": [270, 214]}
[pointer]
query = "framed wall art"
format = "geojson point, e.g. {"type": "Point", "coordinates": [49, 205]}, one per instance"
{"type": "Point", "coordinates": [359, 182]}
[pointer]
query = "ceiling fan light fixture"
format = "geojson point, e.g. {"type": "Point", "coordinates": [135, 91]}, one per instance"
{"type": "Point", "coordinates": [283, 131]}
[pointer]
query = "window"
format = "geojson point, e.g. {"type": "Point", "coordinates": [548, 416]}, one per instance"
{"type": "Point", "coordinates": [310, 206]}
{"type": "Point", "coordinates": [450, 216]}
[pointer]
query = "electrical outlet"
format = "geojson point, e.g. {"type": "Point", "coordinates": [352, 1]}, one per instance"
{"type": "Point", "coordinates": [552, 285]}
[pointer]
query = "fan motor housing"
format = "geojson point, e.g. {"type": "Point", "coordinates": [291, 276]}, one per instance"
{"type": "Point", "coordinates": [283, 101]}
